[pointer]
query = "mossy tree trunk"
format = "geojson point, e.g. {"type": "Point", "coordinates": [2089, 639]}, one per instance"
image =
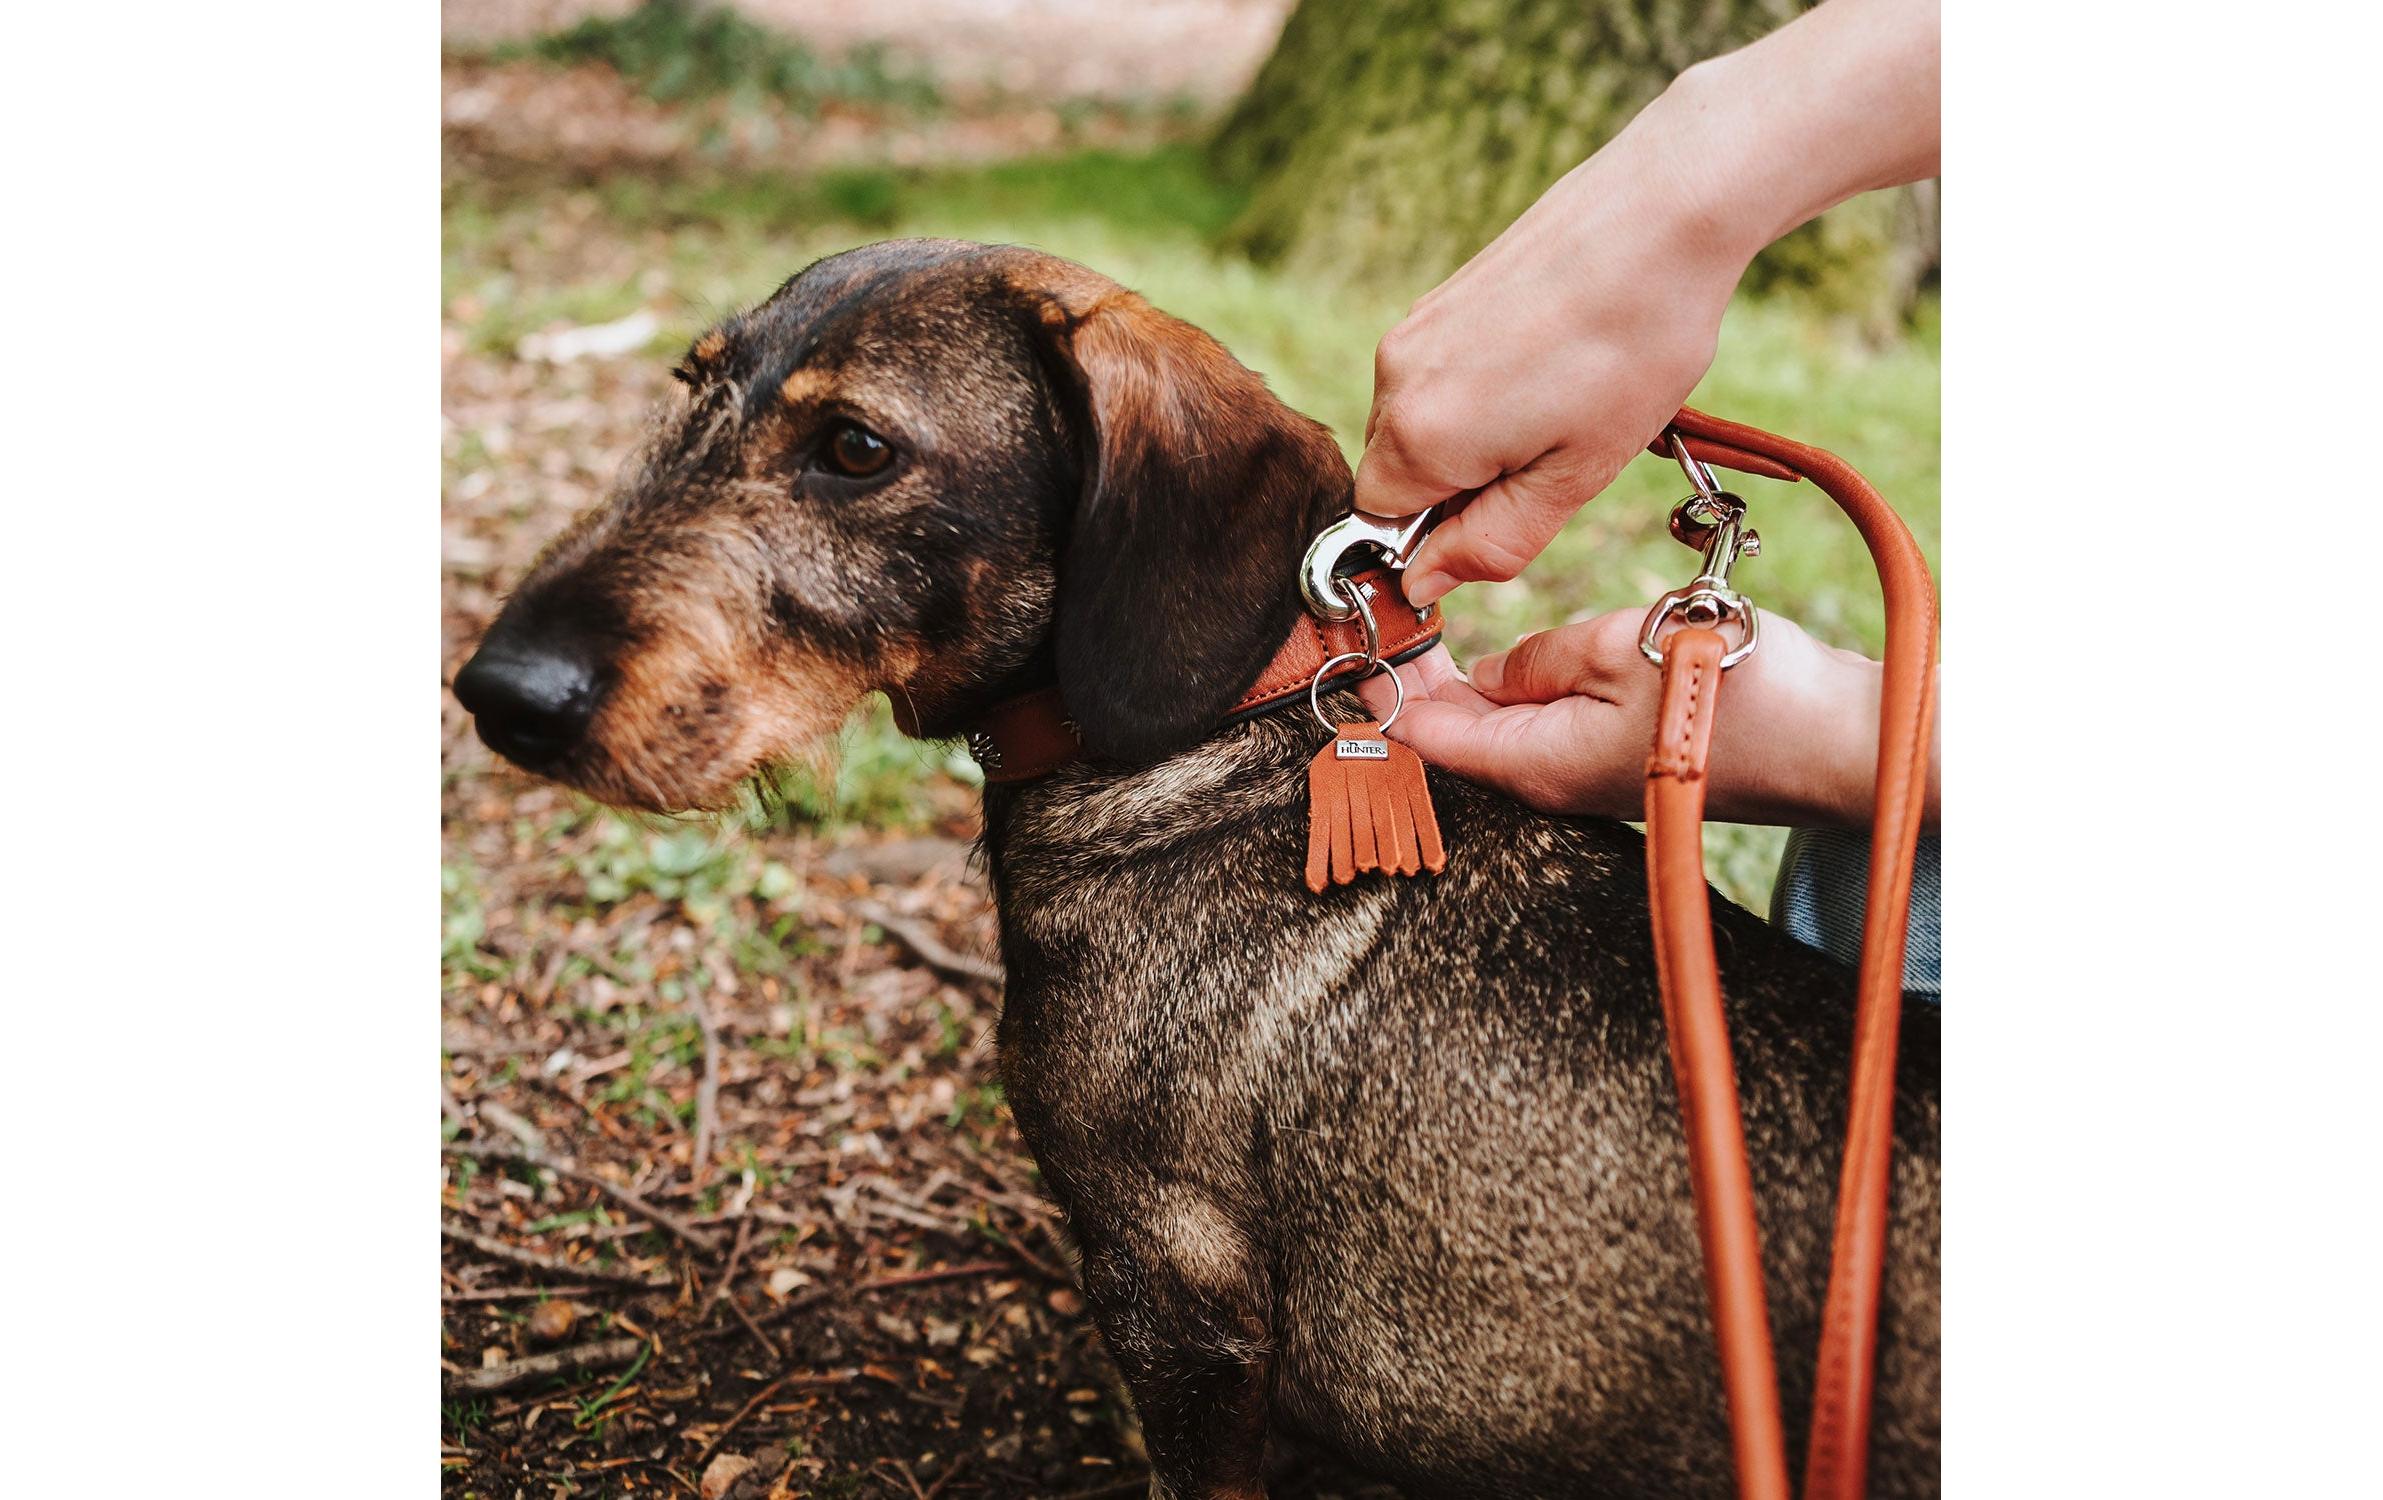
{"type": "Point", "coordinates": [1387, 140]}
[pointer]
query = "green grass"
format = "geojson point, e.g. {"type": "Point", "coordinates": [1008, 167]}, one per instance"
{"type": "Point", "coordinates": [724, 241]}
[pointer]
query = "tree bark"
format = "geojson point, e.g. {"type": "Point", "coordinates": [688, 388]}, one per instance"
{"type": "Point", "coordinates": [1387, 142]}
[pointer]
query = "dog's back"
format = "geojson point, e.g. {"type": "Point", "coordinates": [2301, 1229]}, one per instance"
{"type": "Point", "coordinates": [1435, 1119]}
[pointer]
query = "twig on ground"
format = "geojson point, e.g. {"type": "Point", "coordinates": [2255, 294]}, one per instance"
{"type": "Point", "coordinates": [862, 1288]}
{"type": "Point", "coordinates": [562, 1090]}
{"type": "Point", "coordinates": [725, 1291]}
{"type": "Point", "coordinates": [828, 1377]}
{"type": "Point", "coordinates": [1030, 1260]}
{"type": "Point", "coordinates": [951, 1471]}
{"type": "Point", "coordinates": [519, 1404]}
{"type": "Point", "coordinates": [520, 1372]}
{"type": "Point", "coordinates": [927, 947]}
{"type": "Point", "coordinates": [736, 1258]}
{"type": "Point", "coordinates": [530, 1136]}
{"type": "Point", "coordinates": [707, 1093]}
{"type": "Point", "coordinates": [509, 1293]}
{"type": "Point", "coordinates": [532, 1260]}
{"type": "Point", "coordinates": [917, 1491]}
{"type": "Point", "coordinates": [1139, 1486]}
{"type": "Point", "coordinates": [887, 1283]}
{"type": "Point", "coordinates": [777, 1355]}
{"type": "Point", "coordinates": [1024, 1201]}
{"type": "Point", "coordinates": [565, 1167]}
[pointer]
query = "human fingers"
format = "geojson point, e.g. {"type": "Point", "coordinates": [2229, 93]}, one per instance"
{"type": "Point", "coordinates": [1432, 676]}
{"type": "Point", "coordinates": [1590, 658]}
{"type": "Point", "coordinates": [1498, 531]}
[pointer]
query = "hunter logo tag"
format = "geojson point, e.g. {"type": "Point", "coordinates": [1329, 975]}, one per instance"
{"type": "Point", "coordinates": [1368, 808]}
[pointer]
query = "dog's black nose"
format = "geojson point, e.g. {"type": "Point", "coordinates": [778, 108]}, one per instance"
{"type": "Point", "coordinates": [531, 704]}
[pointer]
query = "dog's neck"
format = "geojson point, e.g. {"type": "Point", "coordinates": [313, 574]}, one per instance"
{"type": "Point", "coordinates": [1028, 736]}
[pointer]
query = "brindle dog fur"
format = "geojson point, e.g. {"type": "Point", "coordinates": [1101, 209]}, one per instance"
{"type": "Point", "coordinates": [1396, 1170]}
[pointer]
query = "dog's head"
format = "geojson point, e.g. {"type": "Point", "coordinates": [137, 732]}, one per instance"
{"type": "Point", "coordinates": [943, 470]}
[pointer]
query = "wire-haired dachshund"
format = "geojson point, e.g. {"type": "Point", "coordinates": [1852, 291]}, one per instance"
{"type": "Point", "coordinates": [1396, 1169]}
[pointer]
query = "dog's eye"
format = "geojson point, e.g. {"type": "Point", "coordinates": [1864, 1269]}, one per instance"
{"type": "Point", "coordinates": [856, 452]}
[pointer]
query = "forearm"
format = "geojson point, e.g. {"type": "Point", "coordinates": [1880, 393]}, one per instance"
{"type": "Point", "coordinates": [1804, 752]}
{"type": "Point", "coordinates": [1840, 101]}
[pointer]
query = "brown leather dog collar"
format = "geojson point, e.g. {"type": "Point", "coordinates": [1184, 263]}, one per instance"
{"type": "Point", "coordinates": [1031, 735]}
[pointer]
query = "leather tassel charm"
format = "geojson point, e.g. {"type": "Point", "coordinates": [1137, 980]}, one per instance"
{"type": "Point", "coordinates": [1369, 808]}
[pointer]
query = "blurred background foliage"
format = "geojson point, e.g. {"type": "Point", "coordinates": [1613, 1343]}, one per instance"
{"type": "Point", "coordinates": [673, 160]}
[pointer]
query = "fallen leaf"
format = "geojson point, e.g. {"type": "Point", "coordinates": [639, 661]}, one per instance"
{"type": "Point", "coordinates": [594, 340]}
{"type": "Point", "coordinates": [722, 1473]}
{"type": "Point", "coordinates": [785, 1279]}
{"type": "Point", "coordinates": [551, 1321]}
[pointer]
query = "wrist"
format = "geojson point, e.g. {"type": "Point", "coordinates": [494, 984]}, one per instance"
{"type": "Point", "coordinates": [1652, 210]}
{"type": "Point", "coordinates": [1844, 739]}
{"type": "Point", "coordinates": [1713, 161]}
{"type": "Point", "coordinates": [1803, 731]}
{"type": "Point", "coordinates": [1840, 101]}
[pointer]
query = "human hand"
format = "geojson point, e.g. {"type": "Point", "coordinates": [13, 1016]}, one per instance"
{"type": "Point", "coordinates": [1529, 378]}
{"type": "Point", "coordinates": [1519, 387]}
{"type": "Point", "coordinates": [1565, 719]}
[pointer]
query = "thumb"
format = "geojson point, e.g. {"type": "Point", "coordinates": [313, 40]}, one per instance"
{"type": "Point", "coordinates": [1560, 663]}
{"type": "Point", "coordinates": [1498, 532]}
{"type": "Point", "coordinates": [1459, 739]}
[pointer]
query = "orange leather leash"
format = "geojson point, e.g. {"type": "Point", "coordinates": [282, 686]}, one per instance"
{"type": "Point", "coordinates": [1690, 978]}
{"type": "Point", "coordinates": [1836, 1465]}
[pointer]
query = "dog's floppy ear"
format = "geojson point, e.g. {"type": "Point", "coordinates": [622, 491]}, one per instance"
{"type": "Point", "coordinates": [1178, 579]}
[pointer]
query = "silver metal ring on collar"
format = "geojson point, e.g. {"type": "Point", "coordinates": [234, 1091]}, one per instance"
{"type": "Point", "coordinates": [1358, 595]}
{"type": "Point", "coordinates": [1324, 671]}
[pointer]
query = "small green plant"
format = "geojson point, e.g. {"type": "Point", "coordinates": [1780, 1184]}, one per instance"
{"type": "Point", "coordinates": [464, 1417]}
{"type": "Point", "coordinates": [685, 49]}
{"type": "Point", "coordinates": [591, 1413]}
{"type": "Point", "coordinates": [674, 865]}
{"type": "Point", "coordinates": [463, 923]}
{"type": "Point", "coordinates": [878, 780]}
{"type": "Point", "coordinates": [951, 1031]}
{"type": "Point", "coordinates": [977, 1108]}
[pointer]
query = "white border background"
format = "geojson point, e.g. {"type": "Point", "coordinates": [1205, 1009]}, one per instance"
{"type": "Point", "coordinates": [2160, 346]}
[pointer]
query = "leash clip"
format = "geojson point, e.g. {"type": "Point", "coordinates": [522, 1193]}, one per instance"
{"type": "Point", "coordinates": [1371, 656]}
{"type": "Point", "coordinates": [1713, 520]}
{"type": "Point", "coordinates": [1394, 537]}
